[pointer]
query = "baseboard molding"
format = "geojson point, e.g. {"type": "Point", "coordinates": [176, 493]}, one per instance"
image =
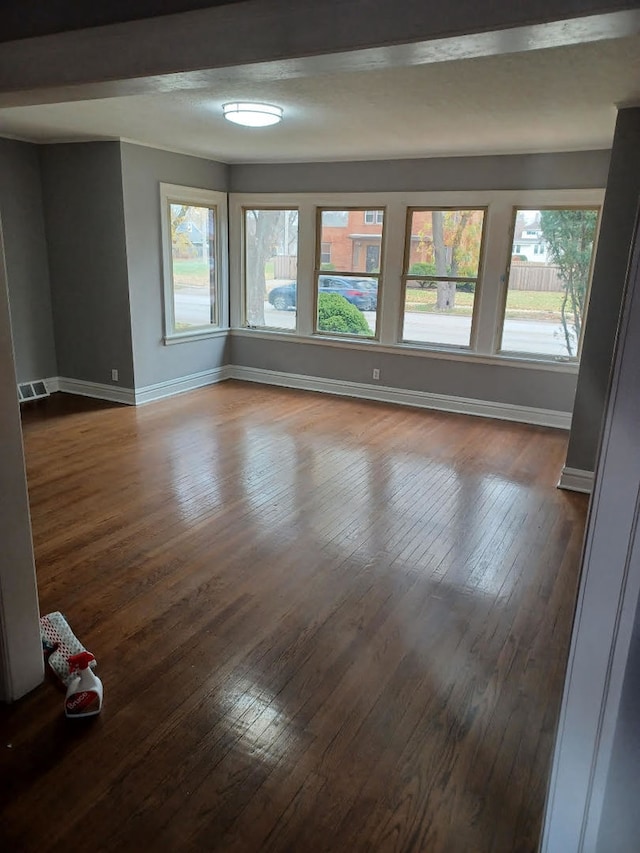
{"type": "Point", "coordinates": [571, 478]}
{"type": "Point", "coordinates": [576, 480]}
{"type": "Point", "coordinates": [420, 399]}
{"type": "Point", "coordinates": [95, 389]}
{"type": "Point", "coordinates": [171, 387]}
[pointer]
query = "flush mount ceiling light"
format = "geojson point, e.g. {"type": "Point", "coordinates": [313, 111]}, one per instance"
{"type": "Point", "coordinates": [252, 115]}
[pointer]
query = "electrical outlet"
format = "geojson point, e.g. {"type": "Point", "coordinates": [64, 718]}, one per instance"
{"type": "Point", "coordinates": [114, 375]}
{"type": "Point", "coordinates": [376, 373]}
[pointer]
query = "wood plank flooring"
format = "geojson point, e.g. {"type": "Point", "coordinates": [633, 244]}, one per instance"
{"type": "Point", "coordinates": [322, 625]}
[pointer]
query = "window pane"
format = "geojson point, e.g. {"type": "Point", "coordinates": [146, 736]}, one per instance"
{"type": "Point", "coordinates": [548, 281]}
{"type": "Point", "coordinates": [355, 237]}
{"type": "Point", "coordinates": [438, 312]}
{"type": "Point", "coordinates": [193, 253]}
{"type": "Point", "coordinates": [347, 305]}
{"type": "Point", "coordinates": [443, 245]}
{"type": "Point", "coordinates": [271, 268]}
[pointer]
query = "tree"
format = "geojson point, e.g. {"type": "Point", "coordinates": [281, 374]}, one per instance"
{"type": "Point", "coordinates": [180, 240]}
{"type": "Point", "coordinates": [261, 240]}
{"type": "Point", "coordinates": [266, 231]}
{"type": "Point", "coordinates": [569, 235]}
{"type": "Point", "coordinates": [454, 249]}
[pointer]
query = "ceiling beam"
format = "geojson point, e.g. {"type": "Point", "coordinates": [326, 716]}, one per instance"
{"type": "Point", "coordinates": [271, 39]}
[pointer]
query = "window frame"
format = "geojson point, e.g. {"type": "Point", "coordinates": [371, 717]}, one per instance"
{"type": "Point", "coordinates": [243, 266]}
{"type": "Point", "coordinates": [541, 357]}
{"type": "Point", "coordinates": [405, 276]}
{"type": "Point", "coordinates": [497, 247]}
{"type": "Point", "coordinates": [375, 212]}
{"type": "Point", "coordinates": [195, 197]}
{"type": "Point", "coordinates": [326, 243]}
{"type": "Point", "coordinates": [319, 209]}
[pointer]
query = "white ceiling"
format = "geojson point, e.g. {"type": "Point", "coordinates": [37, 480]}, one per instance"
{"type": "Point", "coordinates": [555, 99]}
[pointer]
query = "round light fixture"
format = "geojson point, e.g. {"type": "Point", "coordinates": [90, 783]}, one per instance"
{"type": "Point", "coordinates": [252, 115]}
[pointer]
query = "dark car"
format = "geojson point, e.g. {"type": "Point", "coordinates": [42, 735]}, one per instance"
{"type": "Point", "coordinates": [283, 296]}
{"type": "Point", "coordinates": [361, 292]}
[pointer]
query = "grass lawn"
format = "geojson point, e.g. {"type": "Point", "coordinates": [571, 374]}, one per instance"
{"type": "Point", "coordinates": [190, 273]}
{"type": "Point", "coordinates": [521, 304]}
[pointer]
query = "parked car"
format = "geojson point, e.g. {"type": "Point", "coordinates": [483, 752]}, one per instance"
{"type": "Point", "coordinates": [361, 292]}
{"type": "Point", "coordinates": [283, 296]}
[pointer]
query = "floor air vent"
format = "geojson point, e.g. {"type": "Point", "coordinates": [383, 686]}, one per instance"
{"type": "Point", "coordinates": [32, 390]}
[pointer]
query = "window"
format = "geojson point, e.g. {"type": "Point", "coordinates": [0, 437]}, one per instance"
{"type": "Point", "coordinates": [325, 255]}
{"type": "Point", "coordinates": [373, 217]}
{"type": "Point", "coordinates": [546, 301]}
{"type": "Point", "coordinates": [347, 299]}
{"type": "Point", "coordinates": [194, 236]}
{"type": "Point", "coordinates": [443, 249]}
{"type": "Point", "coordinates": [270, 268]}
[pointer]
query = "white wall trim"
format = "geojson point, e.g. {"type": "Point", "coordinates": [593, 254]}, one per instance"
{"type": "Point", "coordinates": [171, 387]}
{"type": "Point", "coordinates": [421, 399]}
{"type": "Point", "coordinates": [96, 389]}
{"type": "Point", "coordinates": [576, 480]}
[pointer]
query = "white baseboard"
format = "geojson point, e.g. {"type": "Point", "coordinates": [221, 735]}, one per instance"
{"type": "Point", "coordinates": [52, 384]}
{"type": "Point", "coordinates": [421, 399]}
{"type": "Point", "coordinates": [149, 393]}
{"type": "Point", "coordinates": [576, 480]}
{"type": "Point", "coordinates": [571, 478]}
{"type": "Point", "coordinates": [95, 389]}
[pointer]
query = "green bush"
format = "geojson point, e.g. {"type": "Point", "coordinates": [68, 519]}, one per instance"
{"type": "Point", "coordinates": [327, 265]}
{"type": "Point", "coordinates": [337, 314]}
{"type": "Point", "coordinates": [422, 268]}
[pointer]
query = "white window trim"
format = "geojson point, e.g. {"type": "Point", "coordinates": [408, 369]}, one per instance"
{"type": "Point", "coordinates": [490, 291]}
{"type": "Point", "coordinates": [173, 193]}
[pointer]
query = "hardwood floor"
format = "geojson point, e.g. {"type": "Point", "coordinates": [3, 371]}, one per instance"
{"type": "Point", "coordinates": [322, 625]}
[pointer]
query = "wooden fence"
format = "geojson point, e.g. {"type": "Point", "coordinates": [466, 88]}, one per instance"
{"type": "Point", "coordinates": [532, 276]}
{"type": "Point", "coordinates": [285, 266]}
{"type": "Point", "coordinates": [524, 276]}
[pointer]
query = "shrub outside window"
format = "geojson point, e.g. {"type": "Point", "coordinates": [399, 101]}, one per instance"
{"type": "Point", "coordinates": [270, 268]}
{"type": "Point", "coordinates": [347, 287]}
{"type": "Point", "coordinates": [443, 252]}
{"type": "Point", "coordinates": [548, 284]}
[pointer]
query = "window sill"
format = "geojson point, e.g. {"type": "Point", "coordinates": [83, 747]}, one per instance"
{"type": "Point", "coordinates": [189, 337]}
{"type": "Point", "coordinates": [409, 349]}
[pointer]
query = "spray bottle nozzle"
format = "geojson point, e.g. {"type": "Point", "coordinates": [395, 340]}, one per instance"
{"type": "Point", "coordinates": [79, 661]}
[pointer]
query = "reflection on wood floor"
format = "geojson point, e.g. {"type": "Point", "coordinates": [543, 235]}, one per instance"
{"type": "Point", "coordinates": [322, 625]}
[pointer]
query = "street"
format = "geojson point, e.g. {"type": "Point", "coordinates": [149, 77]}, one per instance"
{"type": "Point", "coordinates": [536, 337]}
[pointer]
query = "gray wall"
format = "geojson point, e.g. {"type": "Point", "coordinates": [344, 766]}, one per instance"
{"type": "Point", "coordinates": [620, 822]}
{"type": "Point", "coordinates": [609, 274]}
{"type": "Point", "coordinates": [26, 258]}
{"type": "Point", "coordinates": [496, 383]}
{"type": "Point", "coordinates": [82, 189]}
{"type": "Point", "coordinates": [21, 664]}
{"type": "Point", "coordinates": [143, 169]}
{"type": "Point", "coordinates": [572, 170]}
